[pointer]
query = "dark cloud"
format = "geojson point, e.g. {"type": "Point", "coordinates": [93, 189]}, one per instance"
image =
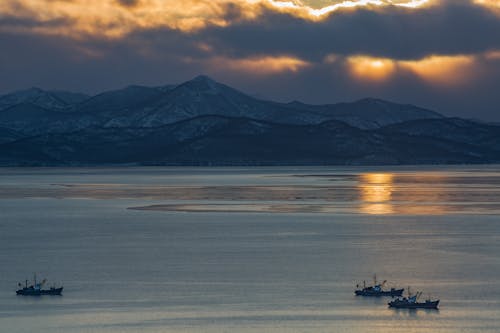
{"type": "Point", "coordinates": [128, 3]}
{"type": "Point", "coordinates": [27, 24]}
{"type": "Point", "coordinates": [93, 65]}
{"type": "Point", "coordinates": [395, 33]}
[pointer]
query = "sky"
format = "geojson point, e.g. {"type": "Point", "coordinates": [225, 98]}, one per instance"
{"type": "Point", "coordinates": [439, 54]}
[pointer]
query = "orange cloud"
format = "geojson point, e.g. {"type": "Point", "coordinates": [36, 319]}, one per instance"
{"type": "Point", "coordinates": [111, 18]}
{"type": "Point", "coordinates": [492, 4]}
{"type": "Point", "coordinates": [116, 18]}
{"type": "Point", "coordinates": [438, 69]}
{"type": "Point", "coordinates": [263, 65]}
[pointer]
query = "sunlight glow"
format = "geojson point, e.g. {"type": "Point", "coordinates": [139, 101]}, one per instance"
{"type": "Point", "coordinates": [413, 4]}
{"type": "Point", "coordinates": [449, 70]}
{"type": "Point", "coordinates": [436, 69]}
{"type": "Point", "coordinates": [371, 69]}
{"type": "Point", "coordinates": [492, 4]}
{"type": "Point", "coordinates": [307, 12]}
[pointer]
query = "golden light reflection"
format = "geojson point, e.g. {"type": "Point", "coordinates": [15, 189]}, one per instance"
{"type": "Point", "coordinates": [408, 194]}
{"type": "Point", "coordinates": [376, 193]}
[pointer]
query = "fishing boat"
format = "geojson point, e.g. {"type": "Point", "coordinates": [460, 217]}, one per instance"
{"type": "Point", "coordinates": [377, 289]}
{"type": "Point", "coordinates": [411, 302]}
{"type": "Point", "coordinates": [36, 289]}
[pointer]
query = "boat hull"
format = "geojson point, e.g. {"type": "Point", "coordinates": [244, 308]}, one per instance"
{"type": "Point", "coordinates": [39, 292]}
{"type": "Point", "coordinates": [405, 305]}
{"type": "Point", "coordinates": [373, 293]}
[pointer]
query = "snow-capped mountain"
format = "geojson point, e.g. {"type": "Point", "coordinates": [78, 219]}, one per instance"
{"type": "Point", "coordinates": [203, 122]}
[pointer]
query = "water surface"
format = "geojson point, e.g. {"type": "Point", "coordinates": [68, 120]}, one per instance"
{"type": "Point", "coordinates": [249, 249]}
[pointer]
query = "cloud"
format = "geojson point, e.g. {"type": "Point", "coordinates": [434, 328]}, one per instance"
{"type": "Point", "coordinates": [393, 33]}
{"type": "Point", "coordinates": [298, 9]}
{"type": "Point", "coordinates": [257, 65]}
{"type": "Point", "coordinates": [128, 3]}
{"type": "Point", "coordinates": [492, 4]}
{"type": "Point", "coordinates": [117, 18]}
{"type": "Point", "coordinates": [492, 55]}
{"type": "Point", "coordinates": [443, 70]}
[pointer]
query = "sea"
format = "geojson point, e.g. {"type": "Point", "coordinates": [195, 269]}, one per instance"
{"type": "Point", "coordinates": [257, 249]}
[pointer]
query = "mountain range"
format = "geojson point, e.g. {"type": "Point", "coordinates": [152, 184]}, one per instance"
{"type": "Point", "coordinates": [203, 122]}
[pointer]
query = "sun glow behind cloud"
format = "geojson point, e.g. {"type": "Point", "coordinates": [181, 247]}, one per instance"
{"type": "Point", "coordinates": [370, 68]}
{"type": "Point", "coordinates": [307, 12]}
{"type": "Point", "coordinates": [434, 69]}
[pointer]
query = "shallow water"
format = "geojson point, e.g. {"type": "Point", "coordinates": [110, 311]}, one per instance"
{"type": "Point", "coordinates": [249, 249]}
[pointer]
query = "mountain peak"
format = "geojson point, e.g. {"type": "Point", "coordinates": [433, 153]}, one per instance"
{"type": "Point", "coordinates": [296, 102]}
{"type": "Point", "coordinates": [203, 83]}
{"type": "Point", "coordinates": [203, 78]}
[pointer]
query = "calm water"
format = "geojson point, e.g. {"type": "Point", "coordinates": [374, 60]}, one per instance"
{"type": "Point", "coordinates": [249, 250]}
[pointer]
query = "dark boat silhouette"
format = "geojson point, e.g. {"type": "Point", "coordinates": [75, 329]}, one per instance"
{"type": "Point", "coordinates": [412, 302]}
{"type": "Point", "coordinates": [377, 290]}
{"type": "Point", "coordinates": [36, 289]}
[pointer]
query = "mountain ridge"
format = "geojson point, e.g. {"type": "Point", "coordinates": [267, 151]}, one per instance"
{"type": "Point", "coordinates": [204, 122]}
{"type": "Point", "coordinates": [150, 106]}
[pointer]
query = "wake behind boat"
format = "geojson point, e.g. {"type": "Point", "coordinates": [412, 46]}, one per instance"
{"type": "Point", "coordinates": [377, 290]}
{"type": "Point", "coordinates": [36, 289]}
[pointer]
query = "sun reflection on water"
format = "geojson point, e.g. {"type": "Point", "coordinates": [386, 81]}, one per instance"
{"type": "Point", "coordinates": [388, 193]}
{"type": "Point", "coordinates": [376, 193]}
